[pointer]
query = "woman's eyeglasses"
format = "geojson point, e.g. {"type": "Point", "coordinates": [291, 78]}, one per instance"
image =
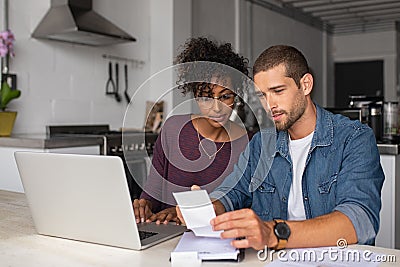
{"type": "Point", "coordinates": [208, 101]}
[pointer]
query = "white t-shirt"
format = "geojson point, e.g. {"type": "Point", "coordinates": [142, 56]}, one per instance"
{"type": "Point", "coordinates": [298, 152]}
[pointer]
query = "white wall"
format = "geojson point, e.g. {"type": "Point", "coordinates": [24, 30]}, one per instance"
{"type": "Point", "coordinates": [370, 46]}
{"type": "Point", "coordinates": [259, 29]}
{"type": "Point", "coordinates": [182, 31]}
{"type": "Point", "coordinates": [65, 83]}
{"type": "Point", "coordinates": [271, 28]}
{"type": "Point", "coordinates": [214, 19]}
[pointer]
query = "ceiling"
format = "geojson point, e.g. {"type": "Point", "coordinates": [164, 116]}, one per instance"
{"type": "Point", "coordinates": [340, 16]}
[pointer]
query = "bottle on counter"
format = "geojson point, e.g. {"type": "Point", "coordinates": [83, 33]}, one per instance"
{"type": "Point", "coordinates": [376, 121]}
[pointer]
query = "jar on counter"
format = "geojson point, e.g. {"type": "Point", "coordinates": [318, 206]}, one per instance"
{"type": "Point", "coordinates": [391, 121]}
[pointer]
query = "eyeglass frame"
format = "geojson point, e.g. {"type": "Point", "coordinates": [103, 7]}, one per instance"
{"type": "Point", "coordinates": [215, 98]}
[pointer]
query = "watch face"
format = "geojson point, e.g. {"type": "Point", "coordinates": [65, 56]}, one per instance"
{"type": "Point", "coordinates": [282, 230]}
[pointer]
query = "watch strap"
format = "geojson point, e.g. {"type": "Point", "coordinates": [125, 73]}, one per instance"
{"type": "Point", "coordinates": [281, 242]}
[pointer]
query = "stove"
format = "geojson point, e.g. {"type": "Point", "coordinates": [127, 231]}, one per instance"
{"type": "Point", "coordinates": [134, 147]}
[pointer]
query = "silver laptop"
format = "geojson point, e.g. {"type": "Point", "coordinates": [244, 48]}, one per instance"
{"type": "Point", "coordinates": [85, 198]}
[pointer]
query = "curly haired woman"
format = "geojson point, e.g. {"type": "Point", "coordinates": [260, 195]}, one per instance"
{"type": "Point", "coordinates": [201, 148]}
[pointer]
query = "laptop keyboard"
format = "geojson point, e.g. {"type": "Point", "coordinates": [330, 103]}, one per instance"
{"type": "Point", "coordinates": [144, 234]}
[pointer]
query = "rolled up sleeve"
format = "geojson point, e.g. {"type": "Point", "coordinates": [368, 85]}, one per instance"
{"type": "Point", "coordinates": [361, 222]}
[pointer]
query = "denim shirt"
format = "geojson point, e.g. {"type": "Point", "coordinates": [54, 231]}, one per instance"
{"type": "Point", "coordinates": [342, 173]}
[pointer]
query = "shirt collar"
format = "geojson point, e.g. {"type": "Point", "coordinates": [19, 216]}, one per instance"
{"type": "Point", "coordinates": [323, 133]}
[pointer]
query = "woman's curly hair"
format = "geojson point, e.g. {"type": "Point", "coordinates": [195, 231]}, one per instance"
{"type": "Point", "coordinates": [196, 77]}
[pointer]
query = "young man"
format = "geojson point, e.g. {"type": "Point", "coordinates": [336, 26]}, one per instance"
{"type": "Point", "coordinates": [325, 180]}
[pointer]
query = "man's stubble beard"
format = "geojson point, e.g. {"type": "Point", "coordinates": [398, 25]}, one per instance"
{"type": "Point", "coordinates": [294, 114]}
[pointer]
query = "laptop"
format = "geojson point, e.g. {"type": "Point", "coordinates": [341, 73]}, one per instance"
{"type": "Point", "coordinates": [85, 198]}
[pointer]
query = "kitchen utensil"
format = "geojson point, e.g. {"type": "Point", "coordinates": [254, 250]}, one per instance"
{"type": "Point", "coordinates": [127, 96]}
{"type": "Point", "coordinates": [117, 95]}
{"type": "Point", "coordinates": [110, 84]}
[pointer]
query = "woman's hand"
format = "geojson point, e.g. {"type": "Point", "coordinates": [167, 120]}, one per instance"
{"type": "Point", "coordinates": [142, 210]}
{"type": "Point", "coordinates": [165, 216]}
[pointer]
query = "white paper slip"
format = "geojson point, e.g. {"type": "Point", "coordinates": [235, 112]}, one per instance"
{"type": "Point", "coordinates": [197, 211]}
{"type": "Point", "coordinates": [207, 248]}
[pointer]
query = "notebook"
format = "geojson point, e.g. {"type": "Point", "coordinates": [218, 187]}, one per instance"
{"type": "Point", "coordinates": [207, 248]}
{"type": "Point", "coordinates": [202, 244]}
{"type": "Point", "coordinates": [85, 198]}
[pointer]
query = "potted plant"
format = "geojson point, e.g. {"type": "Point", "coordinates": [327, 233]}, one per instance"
{"type": "Point", "coordinates": [7, 118]}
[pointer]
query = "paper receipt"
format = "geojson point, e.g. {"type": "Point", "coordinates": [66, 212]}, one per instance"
{"type": "Point", "coordinates": [197, 211]}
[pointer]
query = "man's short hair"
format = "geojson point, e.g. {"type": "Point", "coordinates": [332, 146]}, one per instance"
{"type": "Point", "coordinates": [294, 61]}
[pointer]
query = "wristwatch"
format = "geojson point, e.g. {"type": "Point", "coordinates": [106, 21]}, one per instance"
{"type": "Point", "coordinates": [282, 232]}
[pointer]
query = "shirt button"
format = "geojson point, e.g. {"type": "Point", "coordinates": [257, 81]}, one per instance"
{"type": "Point", "coordinates": [284, 199]}
{"type": "Point", "coordinates": [306, 198]}
{"type": "Point", "coordinates": [261, 187]}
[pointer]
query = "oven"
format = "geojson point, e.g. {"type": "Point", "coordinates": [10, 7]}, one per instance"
{"type": "Point", "coordinates": [134, 147]}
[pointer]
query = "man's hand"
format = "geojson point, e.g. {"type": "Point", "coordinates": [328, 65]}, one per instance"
{"type": "Point", "coordinates": [142, 209]}
{"type": "Point", "coordinates": [245, 224]}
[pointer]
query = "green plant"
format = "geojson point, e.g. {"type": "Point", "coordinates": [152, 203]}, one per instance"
{"type": "Point", "coordinates": [6, 95]}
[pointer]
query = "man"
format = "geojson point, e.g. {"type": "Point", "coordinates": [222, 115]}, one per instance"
{"type": "Point", "coordinates": [325, 180]}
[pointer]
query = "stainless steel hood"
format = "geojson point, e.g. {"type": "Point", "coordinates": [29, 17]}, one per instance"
{"type": "Point", "coordinates": [74, 21]}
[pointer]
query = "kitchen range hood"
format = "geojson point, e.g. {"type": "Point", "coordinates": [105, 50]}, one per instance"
{"type": "Point", "coordinates": [74, 21]}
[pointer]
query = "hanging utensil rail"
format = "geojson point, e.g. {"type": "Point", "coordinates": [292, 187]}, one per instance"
{"type": "Point", "coordinates": [135, 62]}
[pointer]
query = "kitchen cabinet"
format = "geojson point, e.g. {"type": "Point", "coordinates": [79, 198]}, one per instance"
{"type": "Point", "coordinates": [389, 232]}
{"type": "Point", "coordinates": [9, 176]}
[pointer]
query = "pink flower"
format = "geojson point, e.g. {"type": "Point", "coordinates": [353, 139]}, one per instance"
{"type": "Point", "coordinates": [7, 43]}
{"type": "Point", "coordinates": [3, 50]}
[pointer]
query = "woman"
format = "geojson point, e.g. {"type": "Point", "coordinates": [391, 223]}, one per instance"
{"type": "Point", "coordinates": [202, 148]}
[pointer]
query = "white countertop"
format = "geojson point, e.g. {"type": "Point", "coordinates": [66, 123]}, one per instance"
{"type": "Point", "coordinates": [43, 141]}
{"type": "Point", "coordinates": [21, 246]}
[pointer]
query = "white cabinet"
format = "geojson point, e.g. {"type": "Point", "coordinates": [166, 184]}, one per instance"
{"type": "Point", "coordinates": [389, 232]}
{"type": "Point", "coordinates": [9, 176]}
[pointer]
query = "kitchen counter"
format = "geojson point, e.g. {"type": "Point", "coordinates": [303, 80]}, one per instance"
{"type": "Point", "coordinates": [389, 149]}
{"type": "Point", "coordinates": [42, 141]}
{"type": "Point", "coordinates": [83, 144]}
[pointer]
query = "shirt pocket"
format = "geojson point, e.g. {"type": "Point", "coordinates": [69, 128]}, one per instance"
{"type": "Point", "coordinates": [325, 187]}
{"type": "Point", "coordinates": [327, 194]}
{"type": "Point", "coordinates": [263, 202]}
